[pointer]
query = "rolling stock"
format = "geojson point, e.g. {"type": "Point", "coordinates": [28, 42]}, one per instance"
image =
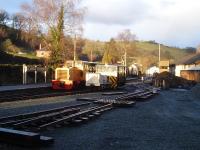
{"type": "Point", "coordinates": [89, 74]}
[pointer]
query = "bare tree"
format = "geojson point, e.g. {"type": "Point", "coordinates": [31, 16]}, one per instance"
{"type": "Point", "coordinates": [126, 44]}
{"type": "Point", "coordinates": [126, 36]}
{"type": "Point", "coordinates": [4, 17]}
{"type": "Point", "coordinates": [55, 19]}
{"type": "Point", "coordinates": [18, 21]}
{"type": "Point", "coordinates": [45, 13]}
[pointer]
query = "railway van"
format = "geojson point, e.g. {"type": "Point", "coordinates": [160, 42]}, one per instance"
{"type": "Point", "coordinates": [116, 74]}
{"type": "Point", "coordinates": [93, 78]}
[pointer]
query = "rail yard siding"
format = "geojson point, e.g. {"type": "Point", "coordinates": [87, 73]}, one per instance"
{"type": "Point", "coordinates": [169, 121]}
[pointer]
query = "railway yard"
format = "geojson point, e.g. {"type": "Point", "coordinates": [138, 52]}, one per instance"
{"type": "Point", "coordinates": [99, 75]}
{"type": "Point", "coordinates": [134, 116]}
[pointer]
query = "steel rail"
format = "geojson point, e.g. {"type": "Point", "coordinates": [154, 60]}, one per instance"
{"type": "Point", "coordinates": [32, 114]}
{"type": "Point", "coordinates": [73, 116]}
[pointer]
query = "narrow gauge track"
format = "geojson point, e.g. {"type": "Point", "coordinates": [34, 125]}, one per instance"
{"type": "Point", "coordinates": [63, 116]}
{"type": "Point", "coordinates": [24, 94]}
{"type": "Point", "coordinates": [34, 93]}
{"type": "Point", "coordinates": [37, 121]}
{"type": "Point", "coordinates": [41, 120]}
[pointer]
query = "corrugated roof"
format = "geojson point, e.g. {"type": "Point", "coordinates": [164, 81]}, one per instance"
{"type": "Point", "coordinates": [194, 68]}
{"type": "Point", "coordinates": [191, 59]}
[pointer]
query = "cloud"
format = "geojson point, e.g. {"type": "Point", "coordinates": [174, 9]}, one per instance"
{"type": "Point", "coordinates": [178, 25]}
{"type": "Point", "coordinates": [172, 22]}
{"type": "Point", "coordinates": [118, 12]}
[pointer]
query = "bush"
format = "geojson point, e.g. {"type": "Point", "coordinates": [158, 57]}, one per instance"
{"type": "Point", "coordinates": [7, 46]}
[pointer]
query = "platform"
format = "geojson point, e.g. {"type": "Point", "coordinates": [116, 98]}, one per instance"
{"type": "Point", "coordinates": [21, 87]}
{"type": "Point", "coordinates": [23, 138]}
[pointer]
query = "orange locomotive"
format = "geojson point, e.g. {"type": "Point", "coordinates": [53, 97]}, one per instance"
{"type": "Point", "coordinates": [68, 78]}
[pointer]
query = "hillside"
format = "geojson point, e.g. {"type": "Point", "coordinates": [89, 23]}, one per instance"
{"type": "Point", "coordinates": [166, 51]}
{"type": "Point", "coordinates": [142, 52]}
{"type": "Point", "coordinates": [147, 53]}
{"type": "Point", "coordinates": [15, 47]}
{"type": "Point", "coordinates": [13, 42]}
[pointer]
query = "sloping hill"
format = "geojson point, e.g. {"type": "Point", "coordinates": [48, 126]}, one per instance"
{"type": "Point", "coordinates": [166, 51]}
{"type": "Point", "coordinates": [13, 42]}
{"type": "Point", "coordinates": [147, 53]}
{"type": "Point", "coordinates": [144, 52]}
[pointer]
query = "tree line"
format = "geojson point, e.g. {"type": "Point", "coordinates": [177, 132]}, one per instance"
{"type": "Point", "coordinates": [57, 26]}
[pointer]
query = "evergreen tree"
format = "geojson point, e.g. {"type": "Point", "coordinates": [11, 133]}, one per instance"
{"type": "Point", "coordinates": [57, 36]}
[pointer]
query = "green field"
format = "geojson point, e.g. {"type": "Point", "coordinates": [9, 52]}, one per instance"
{"type": "Point", "coordinates": [147, 53]}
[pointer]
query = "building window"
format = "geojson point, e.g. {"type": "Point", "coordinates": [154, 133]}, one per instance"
{"type": "Point", "coordinates": [163, 67]}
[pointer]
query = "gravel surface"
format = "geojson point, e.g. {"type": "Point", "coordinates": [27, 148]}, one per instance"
{"type": "Point", "coordinates": [195, 91]}
{"type": "Point", "coordinates": [169, 121]}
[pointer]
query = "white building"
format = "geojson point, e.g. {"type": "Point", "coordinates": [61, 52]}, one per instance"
{"type": "Point", "coordinates": [187, 63]}
{"type": "Point", "coordinates": [152, 70]}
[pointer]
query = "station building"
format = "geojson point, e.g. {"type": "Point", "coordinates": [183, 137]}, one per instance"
{"type": "Point", "coordinates": [189, 68]}
{"type": "Point", "coordinates": [42, 53]}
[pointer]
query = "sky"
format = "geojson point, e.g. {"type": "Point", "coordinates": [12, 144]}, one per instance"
{"type": "Point", "coordinates": [170, 22]}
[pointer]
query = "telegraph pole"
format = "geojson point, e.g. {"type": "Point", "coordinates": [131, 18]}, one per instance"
{"type": "Point", "coordinates": [91, 55]}
{"type": "Point", "coordinates": [125, 58]}
{"type": "Point", "coordinates": [74, 50]}
{"type": "Point", "coordinates": [159, 57]}
{"type": "Point", "coordinates": [159, 53]}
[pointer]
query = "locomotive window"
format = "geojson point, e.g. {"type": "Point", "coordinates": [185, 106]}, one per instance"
{"type": "Point", "coordinates": [163, 67]}
{"type": "Point", "coordinates": [107, 70]}
{"type": "Point", "coordinates": [91, 69]}
{"type": "Point", "coordinates": [62, 74]}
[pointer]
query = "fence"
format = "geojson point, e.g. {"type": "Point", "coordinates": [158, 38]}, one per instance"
{"type": "Point", "coordinates": [24, 74]}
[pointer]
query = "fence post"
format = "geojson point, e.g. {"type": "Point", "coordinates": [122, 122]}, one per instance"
{"type": "Point", "coordinates": [35, 74]}
{"type": "Point", "coordinates": [24, 74]}
{"type": "Point", "coordinates": [45, 74]}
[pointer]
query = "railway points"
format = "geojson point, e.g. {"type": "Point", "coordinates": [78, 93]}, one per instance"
{"type": "Point", "coordinates": [76, 114]}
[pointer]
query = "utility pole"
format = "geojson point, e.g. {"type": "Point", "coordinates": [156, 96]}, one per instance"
{"type": "Point", "coordinates": [125, 54]}
{"type": "Point", "coordinates": [159, 53]}
{"type": "Point", "coordinates": [159, 58]}
{"type": "Point", "coordinates": [125, 58]}
{"type": "Point", "coordinates": [74, 50]}
{"type": "Point", "coordinates": [91, 55]}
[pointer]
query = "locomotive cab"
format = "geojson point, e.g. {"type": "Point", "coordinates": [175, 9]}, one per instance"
{"type": "Point", "coordinates": [68, 78]}
{"type": "Point", "coordinates": [62, 79]}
